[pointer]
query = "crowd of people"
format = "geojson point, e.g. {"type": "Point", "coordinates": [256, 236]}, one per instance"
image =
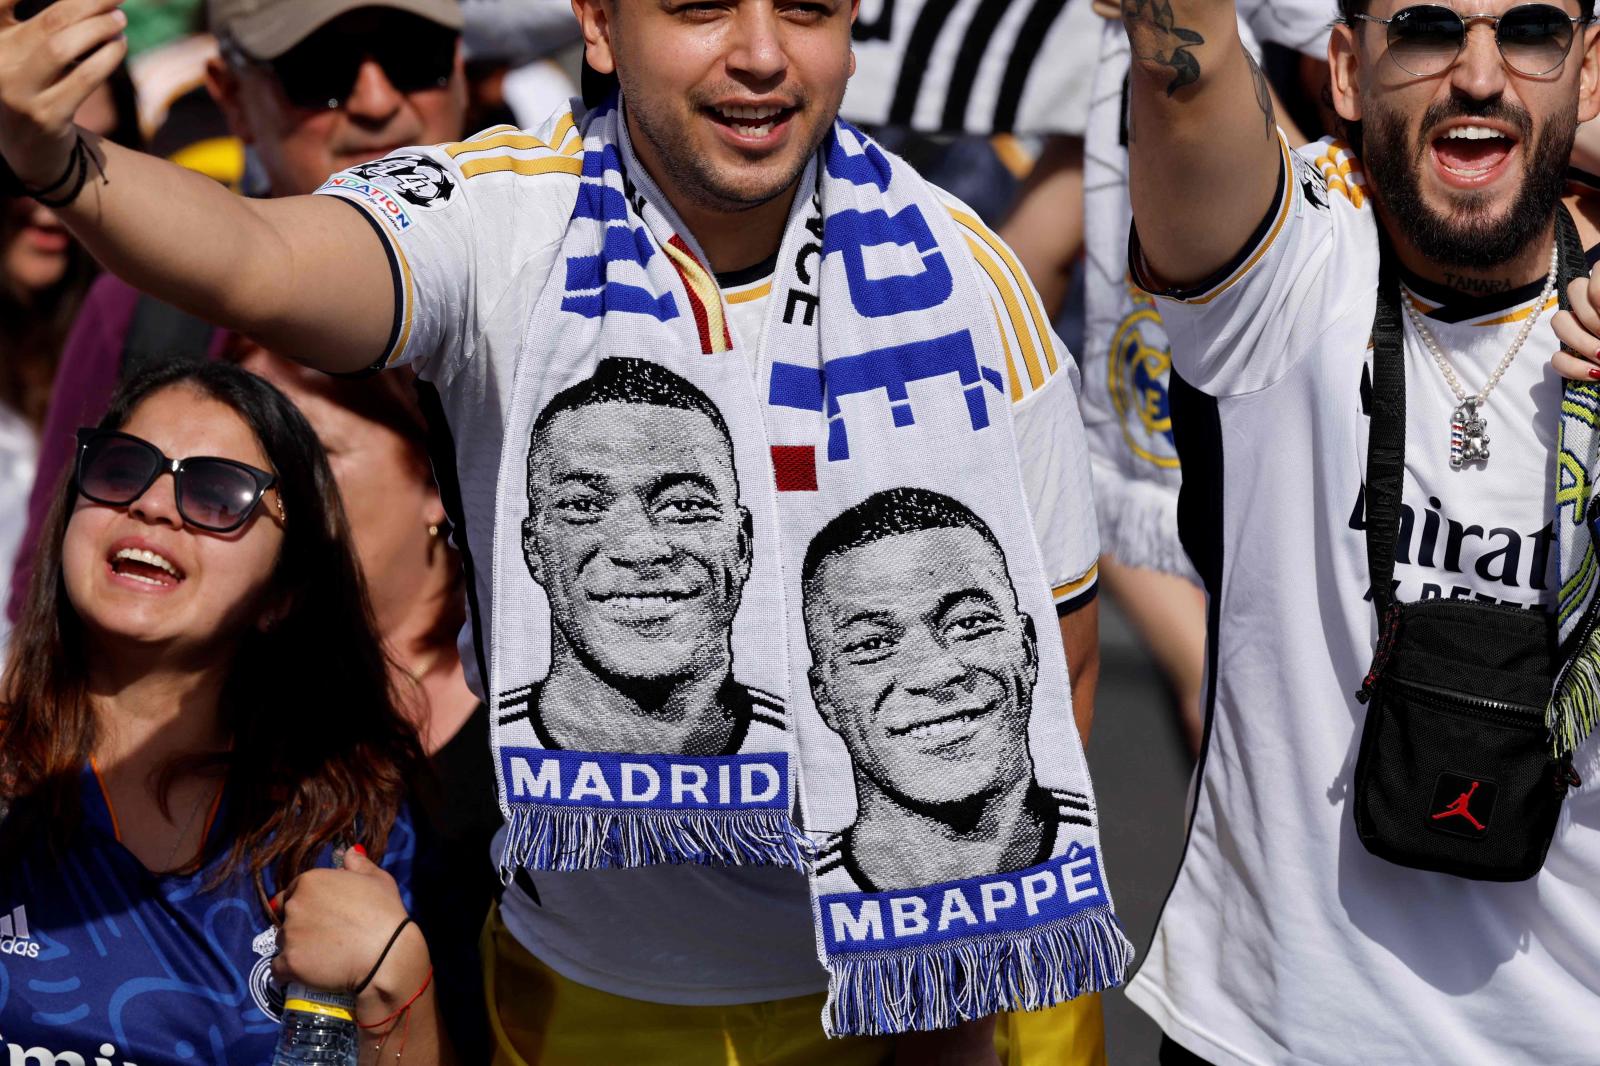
{"type": "Point", "coordinates": [620, 585]}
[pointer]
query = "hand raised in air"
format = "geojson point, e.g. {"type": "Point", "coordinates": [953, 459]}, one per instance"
{"type": "Point", "coordinates": [50, 64]}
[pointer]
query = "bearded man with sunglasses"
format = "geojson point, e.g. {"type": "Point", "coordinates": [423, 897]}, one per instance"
{"type": "Point", "coordinates": [1284, 939]}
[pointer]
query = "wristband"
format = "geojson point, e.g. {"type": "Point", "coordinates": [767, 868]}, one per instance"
{"type": "Point", "coordinates": [72, 180]}
{"type": "Point", "coordinates": [367, 980]}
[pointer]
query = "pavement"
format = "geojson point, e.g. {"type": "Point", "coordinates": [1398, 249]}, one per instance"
{"type": "Point", "coordinates": [1141, 778]}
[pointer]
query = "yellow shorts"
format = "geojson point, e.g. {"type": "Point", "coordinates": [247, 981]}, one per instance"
{"type": "Point", "coordinates": [542, 1019]}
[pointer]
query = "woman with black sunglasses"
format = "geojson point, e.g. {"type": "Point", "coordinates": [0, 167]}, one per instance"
{"type": "Point", "coordinates": [196, 722]}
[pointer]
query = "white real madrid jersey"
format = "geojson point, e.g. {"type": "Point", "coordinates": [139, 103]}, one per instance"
{"type": "Point", "coordinates": [1283, 940]}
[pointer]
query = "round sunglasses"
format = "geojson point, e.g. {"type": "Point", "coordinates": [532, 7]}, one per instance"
{"type": "Point", "coordinates": [1426, 39]}
{"type": "Point", "coordinates": [117, 468]}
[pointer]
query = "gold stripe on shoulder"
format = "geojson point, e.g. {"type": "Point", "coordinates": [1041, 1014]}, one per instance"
{"type": "Point", "coordinates": [1030, 353]}
{"type": "Point", "coordinates": [523, 141]}
{"type": "Point", "coordinates": [1011, 364]}
{"type": "Point", "coordinates": [564, 126]}
{"type": "Point", "coordinates": [1342, 172]}
{"type": "Point", "coordinates": [1019, 278]}
{"type": "Point", "coordinates": [456, 148]}
{"type": "Point", "coordinates": [509, 137]}
{"type": "Point", "coordinates": [558, 164]}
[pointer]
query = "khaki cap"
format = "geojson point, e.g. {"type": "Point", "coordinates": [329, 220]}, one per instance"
{"type": "Point", "coordinates": [265, 29]}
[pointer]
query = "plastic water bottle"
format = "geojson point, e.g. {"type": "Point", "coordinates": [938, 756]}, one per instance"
{"type": "Point", "coordinates": [319, 1029]}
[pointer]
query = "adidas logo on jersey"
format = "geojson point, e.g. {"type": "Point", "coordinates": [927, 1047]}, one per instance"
{"type": "Point", "coordinates": [14, 938]}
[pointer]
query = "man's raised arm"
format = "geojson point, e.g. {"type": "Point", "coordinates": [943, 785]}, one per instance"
{"type": "Point", "coordinates": [304, 276]}
{"type": "Point", "coordinates": [1203, 153]}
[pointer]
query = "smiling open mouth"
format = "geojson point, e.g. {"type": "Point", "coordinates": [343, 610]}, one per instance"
{"type": "Point", "coordinates": [752, 122]}
{"type": "Point", "coordinates": [644, 599]}
{"type": "Point", "coordinates": [936, 728]}
{"type": "Point", "coordinates": [1472, 151]}
{"type": "Point", "coordinates": [146, 567]}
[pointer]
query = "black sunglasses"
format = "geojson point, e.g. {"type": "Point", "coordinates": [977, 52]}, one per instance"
{"type": "Point", "coordinates": [320, 72]}
{"type": "Point", "coordinates": [1426, 39]}
{"type": "Point", "coordinates": [215, 494]}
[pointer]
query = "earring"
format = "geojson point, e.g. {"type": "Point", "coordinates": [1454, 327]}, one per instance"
{"type": "Point", "coordinates": [435, 540]}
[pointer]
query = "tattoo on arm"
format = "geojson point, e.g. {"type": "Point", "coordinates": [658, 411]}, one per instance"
{"type": "Point", "coordinates": [1156, 38]}
{"type": "Point", "coordinates": [1263, 94]}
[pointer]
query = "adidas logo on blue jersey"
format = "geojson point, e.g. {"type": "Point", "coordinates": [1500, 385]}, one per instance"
{"type": "Point", "coordinates": [14, 938]}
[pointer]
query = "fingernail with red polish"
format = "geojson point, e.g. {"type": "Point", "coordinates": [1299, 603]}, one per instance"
{"type": "Point", "coordinates": [1594, 372]}
{"type": "Point", "coordinates": [361, 851]}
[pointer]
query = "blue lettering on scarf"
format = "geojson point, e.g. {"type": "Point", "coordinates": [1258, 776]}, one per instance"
{"type": "Point", "coordinates": [646, 782]}
{"type": "Point", "coordinates": [1063, 887]}
{"type": "Point", "coordinates": [590, 290]}
{"type": "Point", "coordinates": [868, 167]}
{"type": "Point", "coordinates": [851, 232]}
{"type": "Point", "coordinates": [890, 369]}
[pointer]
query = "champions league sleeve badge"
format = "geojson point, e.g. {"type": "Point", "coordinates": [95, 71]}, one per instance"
{"type": "Point", "coordinates": [417, 180]}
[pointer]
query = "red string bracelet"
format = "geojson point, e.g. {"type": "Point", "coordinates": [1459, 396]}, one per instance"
{"type": "Point", "coordinates": [404, 1007]}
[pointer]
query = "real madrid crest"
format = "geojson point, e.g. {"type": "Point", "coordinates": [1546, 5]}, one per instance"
{"type": "Point", "coordinates": [1140, 364]}
{"type": "Point", "coordinates": [266, 993]}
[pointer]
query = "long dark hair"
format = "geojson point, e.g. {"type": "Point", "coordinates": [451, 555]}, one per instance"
{"type": "Point", "coordinates": [319, 752]}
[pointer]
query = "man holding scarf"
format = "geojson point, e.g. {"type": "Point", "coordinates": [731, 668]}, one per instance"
{"type": "Point", "coordinates": [715, 208]}
{"type": "Point", "coordinates": [1361, 346]}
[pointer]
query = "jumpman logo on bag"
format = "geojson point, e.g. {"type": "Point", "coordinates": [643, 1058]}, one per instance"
{"type": "Point", "coordinates": [1461, 805]}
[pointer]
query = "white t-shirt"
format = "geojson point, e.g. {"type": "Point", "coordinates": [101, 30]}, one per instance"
{"type": "Point", "coordinates": [473, 231]}
{"type": "Point", "coordinates": [1283, 940]}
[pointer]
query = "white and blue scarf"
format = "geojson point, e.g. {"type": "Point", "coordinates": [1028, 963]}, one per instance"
{"type": "Point", "coordinates": [1575, 704]}
{"type": "Point", "coordinates": [714, 588]}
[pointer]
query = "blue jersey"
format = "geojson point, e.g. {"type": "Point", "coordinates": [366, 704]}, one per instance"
{"type": "Point", "coordinates": [106, 964]}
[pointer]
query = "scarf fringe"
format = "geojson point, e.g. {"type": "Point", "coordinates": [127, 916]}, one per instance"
{"type": "Point", "coordinates": [572, 838]}
{"type": "Point", "coordinates": [1139, 522]}
{"type": "Point", "coordinates": [894, 992]}
{"type": "Point", "coordinates": [1576, 707]}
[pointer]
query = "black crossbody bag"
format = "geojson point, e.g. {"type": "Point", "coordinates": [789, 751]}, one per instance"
{"type": "Point", "coordinates": [1455, 772]}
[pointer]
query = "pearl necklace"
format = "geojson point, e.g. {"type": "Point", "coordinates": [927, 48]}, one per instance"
{"type": "Point", "coordinates": [1469, 437]}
